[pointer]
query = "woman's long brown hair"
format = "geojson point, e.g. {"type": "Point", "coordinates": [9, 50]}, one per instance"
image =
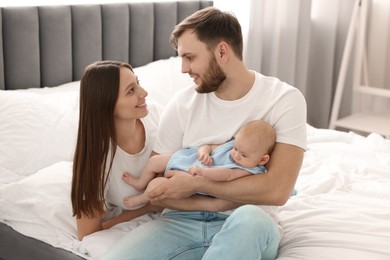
{"type": "Point", "coordinates": [96, 139]}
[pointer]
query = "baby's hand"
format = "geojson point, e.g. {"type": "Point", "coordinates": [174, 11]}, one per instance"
{"type": "Point", "coordinates": [205, 159]}
{"type": "Point", "coordinates": [195, 170]}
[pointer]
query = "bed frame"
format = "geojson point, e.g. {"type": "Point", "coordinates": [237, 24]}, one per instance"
{"type": "Point", "coordinates": [50, 45]}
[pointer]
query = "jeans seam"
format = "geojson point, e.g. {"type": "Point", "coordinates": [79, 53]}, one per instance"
{"type": "Point", "coordinates": [205, 243]}
{"type": "Point", "coordinates": [181, 250]}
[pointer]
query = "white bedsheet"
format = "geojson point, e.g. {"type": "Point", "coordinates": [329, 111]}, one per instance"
{"type": "Point", "coordinates": [341, 210]}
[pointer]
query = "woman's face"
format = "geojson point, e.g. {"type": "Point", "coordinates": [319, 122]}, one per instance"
{"type": "Point", "coordinates": [131, 102]}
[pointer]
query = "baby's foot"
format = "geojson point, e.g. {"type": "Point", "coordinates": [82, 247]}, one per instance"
{"type": "Point", "coordinates": [135, 202]}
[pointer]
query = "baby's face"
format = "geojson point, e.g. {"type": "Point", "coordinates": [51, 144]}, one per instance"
{"type": "Point", "coordinates": [245, 154]}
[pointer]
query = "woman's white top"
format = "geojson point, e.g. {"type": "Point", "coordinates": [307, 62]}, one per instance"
{"type": "Point", "coordinates": [116, 188]}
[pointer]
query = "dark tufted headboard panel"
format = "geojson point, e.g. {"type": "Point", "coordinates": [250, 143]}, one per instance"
{"type": "Point", "coordinates": [51, 45]}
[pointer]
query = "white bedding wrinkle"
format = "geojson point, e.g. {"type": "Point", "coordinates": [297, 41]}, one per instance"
{"type": "Point", "coordinates": [342, 207]}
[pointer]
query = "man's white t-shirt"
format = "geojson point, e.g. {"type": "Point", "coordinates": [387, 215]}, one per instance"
{"type": "Point", "coordinates": [193, 119]}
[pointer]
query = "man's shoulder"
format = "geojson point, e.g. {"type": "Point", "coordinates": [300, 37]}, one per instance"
{"type": "Point", "coordinates": [187, 97]}
{"type": "Point", "coordinates": [182, 95]}
{"type": "Point", "coordinates": [186, 91]}
{"type": "Point", "coordinates": [271, 81]}
{"type": "Point", "coordinates": [270, 84]}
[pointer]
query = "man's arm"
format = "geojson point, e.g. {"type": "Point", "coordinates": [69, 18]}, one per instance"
{"type": "Point", "coordinates": [271, 188]}
{"type": "Point", "coordinates": [197, 203]}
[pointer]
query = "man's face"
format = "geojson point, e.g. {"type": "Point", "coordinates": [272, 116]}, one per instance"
{"type": "Point", "coordinates": [199, 63]}
{"type": "Point", "coordinates": [212, 78]}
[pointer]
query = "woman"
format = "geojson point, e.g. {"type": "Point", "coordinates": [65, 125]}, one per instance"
{"type": "Point", "coordinates": [115, 135]}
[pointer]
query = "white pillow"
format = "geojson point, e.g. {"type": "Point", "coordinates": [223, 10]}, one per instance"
{"type": "Point", "coordinates": [37, 128]}
{"type": "Point", "coordinates": [162, 79]}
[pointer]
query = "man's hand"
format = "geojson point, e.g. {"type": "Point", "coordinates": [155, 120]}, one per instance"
{"type": "Point", "coordinates": [179, 185]}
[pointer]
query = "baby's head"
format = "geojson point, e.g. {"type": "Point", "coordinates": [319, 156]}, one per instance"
{"type": "Point", "coordinates": [253, 144]}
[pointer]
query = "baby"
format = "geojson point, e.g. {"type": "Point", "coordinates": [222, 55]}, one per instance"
{"type": "Point", "coordinates": [246, 154]}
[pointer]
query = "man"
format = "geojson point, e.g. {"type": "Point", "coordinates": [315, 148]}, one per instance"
{"type": "Point", "coordinates": [226, 95]}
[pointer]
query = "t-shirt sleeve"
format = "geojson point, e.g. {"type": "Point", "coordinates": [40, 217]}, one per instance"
{"type": "Point", "coordinates": [290, 126]}
{"type": "Point", "coordinates": [170, 130]}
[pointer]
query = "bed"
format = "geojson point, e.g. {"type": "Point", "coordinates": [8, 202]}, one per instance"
{"type": "Point", "coordinates": [341, 209]}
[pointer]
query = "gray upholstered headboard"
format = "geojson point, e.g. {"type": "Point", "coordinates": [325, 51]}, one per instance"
{"type": "Point", "coordinates": [51, 45]}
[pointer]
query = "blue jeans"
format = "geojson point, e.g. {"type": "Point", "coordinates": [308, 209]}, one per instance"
{"type": "Point", "coordinates": [248, 233]}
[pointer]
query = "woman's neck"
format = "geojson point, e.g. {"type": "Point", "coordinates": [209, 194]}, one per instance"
{"type": "Point", "coordinates": [130, 135]}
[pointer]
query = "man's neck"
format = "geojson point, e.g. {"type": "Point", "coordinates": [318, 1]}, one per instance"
{"type": "Point", "coordinates": [236, 85]}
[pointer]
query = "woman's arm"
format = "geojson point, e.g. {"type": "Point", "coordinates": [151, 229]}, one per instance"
{"type": "Point", "coordinates": [129, 215]}
{"type": "Point", "coordinates": [87, 226]}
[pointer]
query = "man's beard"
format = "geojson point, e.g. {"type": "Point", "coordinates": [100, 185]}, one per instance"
{"type": "Point", "coordinates": [212, 79]}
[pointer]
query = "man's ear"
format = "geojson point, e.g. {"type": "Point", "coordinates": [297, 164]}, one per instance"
{"type": "Point", "coordinates": [222, 51]}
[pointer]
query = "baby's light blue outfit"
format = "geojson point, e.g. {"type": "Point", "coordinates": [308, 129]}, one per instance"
{"type": "Point", "coordinates": [184, 158]}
